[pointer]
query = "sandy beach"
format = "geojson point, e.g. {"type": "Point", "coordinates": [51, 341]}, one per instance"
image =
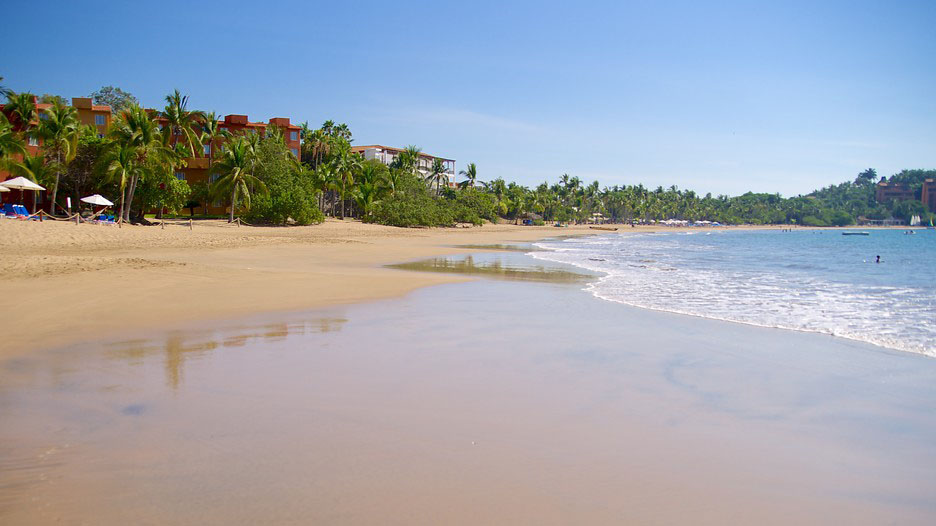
{"type": "Point", "coordinates": [91, 281]}
{"type": "Point", "coordinates": [240, 375]}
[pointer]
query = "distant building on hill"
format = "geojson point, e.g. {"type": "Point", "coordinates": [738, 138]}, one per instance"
{"type": "Point", "coordinates": [387, 155]}
{"type": "Point", "coordinates": [888, 191]}
{"type": "Point", "coordinates": [196, 168]}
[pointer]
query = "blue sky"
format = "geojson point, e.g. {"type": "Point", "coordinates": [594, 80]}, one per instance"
{"type": "Point", "coordinates": [723, 98]}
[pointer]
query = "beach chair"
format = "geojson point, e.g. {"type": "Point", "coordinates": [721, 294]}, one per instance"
{"type": "Point", "coordinates": [9, 211]}
{"type": "Point", "coordinates": [24, 213]}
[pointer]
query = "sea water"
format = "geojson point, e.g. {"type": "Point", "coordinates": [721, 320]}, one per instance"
{"type": "Point", "coordinates": [807, 280]}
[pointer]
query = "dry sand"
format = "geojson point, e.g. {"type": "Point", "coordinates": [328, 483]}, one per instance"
{"type": "Point", "coordinates": [67, 283]}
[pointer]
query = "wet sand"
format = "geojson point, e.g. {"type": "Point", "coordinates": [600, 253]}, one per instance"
{"type": "Point", "coordinates": [492, 402]}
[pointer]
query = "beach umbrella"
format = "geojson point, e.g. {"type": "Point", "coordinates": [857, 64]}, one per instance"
{"type": "Point", "coordinates": [4, 189]}
{"type": "Point", "coordinates": [96, 199]}
{"type": "Point", "coordinates": [21, 184]}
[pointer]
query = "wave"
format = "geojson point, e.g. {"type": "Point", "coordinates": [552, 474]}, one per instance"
{"type": "Point", "coordinates": [781, 296]}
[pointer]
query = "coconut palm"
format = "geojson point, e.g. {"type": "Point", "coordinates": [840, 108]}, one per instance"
{"type": "Point", "coordinates": [10, 143]}
{"type": "Point", "coordinates": [4, 91]}
{"type": "Point", "coordinates": [59, 129]}
{"type": "Point", "coordinates": [182, 125]}
{"type": "Point", "coordinates": [408, 160]}
{"type": "Point", "coordinates": [118, 163]}
{"type": "Point", "coordinates": [235, 168]}
{"type": "Point", "coordinates": [370, 186]}
{"type": "Point", "coordinates": [134, 128]}
{"type": "Point", "coordinates": [22, 107]}
{"type": "Point", "coordinates": [470, 173]}
{"type": "Point", "coordinates": [211, 133]}
{"type": "Point", "coordinates": [345, 164]}
{"type": "Point", "coordinates": [437, 175]}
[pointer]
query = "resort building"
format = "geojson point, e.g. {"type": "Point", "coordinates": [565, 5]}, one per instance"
{"type": "Point", "coordinates": [929, 195]}
{"type": "Point", "coordinates": [197, 169]}
{"type": "Point", "coordinates": [88, 114]}
{"type": "Point", "coordinates": [888, 191]}
{"type": "Point", "coordinates": [387, 155]}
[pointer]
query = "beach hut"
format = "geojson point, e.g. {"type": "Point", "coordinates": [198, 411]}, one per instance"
{"type": "Point", "coordinates": [22, 184]}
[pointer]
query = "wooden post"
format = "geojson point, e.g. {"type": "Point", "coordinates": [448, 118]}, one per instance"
{"type": "Point", "coordinates": [162, 224]}
{"type": "Point", "coordinates": [190, 226]}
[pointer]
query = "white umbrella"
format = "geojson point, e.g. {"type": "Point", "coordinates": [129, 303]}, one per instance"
{"type": "Point", "coordinates": [4, 189]}
{"type": "Point", "coordinates": [21, 183]}
{"type": "Point", "coordinates": [96, 199]}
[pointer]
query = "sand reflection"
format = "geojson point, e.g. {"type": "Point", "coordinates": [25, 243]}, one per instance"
{"type": "Point", "coordinates": [180, 346]}
{"type": "Point", "coordinates": [496, 267]}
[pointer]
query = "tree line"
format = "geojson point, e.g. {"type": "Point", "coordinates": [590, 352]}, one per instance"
{"type": "Point", "coordinates": [258, 178]}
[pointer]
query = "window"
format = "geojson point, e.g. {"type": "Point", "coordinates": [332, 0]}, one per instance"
{"type": "Point", "coordinates": [43, 116]}
{"type": "Point", "coordinates": [100, 136]}
{"type": "Point", "coordinates": [100, 120]}
{"type": "Point", "coordinates": [294, 151]}
{"type": "Point", "coordinates": [294, 136]}
{"type": "Point", "coordinates": [207, 148]}
{"type": "Point", "coordinates": [33, 141]}
{"type": "Point", "coordinates": [180, 176]}
{"type": "Point", "coordinates": [215, 177]}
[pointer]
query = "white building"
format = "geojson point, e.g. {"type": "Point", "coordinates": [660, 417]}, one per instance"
{"type": "Point", "coordinates": [386, 155]}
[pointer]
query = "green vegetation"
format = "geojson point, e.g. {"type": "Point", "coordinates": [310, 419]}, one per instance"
{"type": "Point", "coordinates": [143, 150]}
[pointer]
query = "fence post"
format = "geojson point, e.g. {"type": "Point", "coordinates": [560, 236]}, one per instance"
{"type": "Point", "coordinates": [190, 226]}
{"type": "Point", "coordinates": [162, 224]}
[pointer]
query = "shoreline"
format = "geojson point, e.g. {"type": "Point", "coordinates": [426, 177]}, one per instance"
{"type": "Point", "coordinates": [80, 283]}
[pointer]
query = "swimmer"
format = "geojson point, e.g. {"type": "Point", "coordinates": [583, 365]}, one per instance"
{"type": "Point", "coordinates": [878, 260]}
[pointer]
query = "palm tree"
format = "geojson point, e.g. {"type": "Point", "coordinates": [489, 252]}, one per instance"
{"type": "Point", "coordinates": [371, 184]}
{"type": "Point", "coordinates": [22, 106]}
{"type": "Point", "coordinates": [59, 129]}
{"type": "Point", "coordinates": [235, 168]}
{"type": "Point", "coordinates": [4, 91]}
{"type": "Point", "coordinates": [345, 164]}
{"type": "Point", "coordinates": [134, 128]}
{"type": "Point", "coordinates": [182, 125]}
{"type": "Point", "coordinates": [119, 163]}
{"type": "Point", "coordinates": [10, 143]}
{"type": "Point", "coordinates": [437, 175]}
{"type": "Point", "coordinates": [212, 132]}
{"type": "Point", "coordinates": [470, 173]}
{"type": "Point", "coordinates": [408, 159]}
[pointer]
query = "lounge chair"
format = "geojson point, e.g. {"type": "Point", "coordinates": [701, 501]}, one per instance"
{"type": "Point", "coordinates": [24, 212]}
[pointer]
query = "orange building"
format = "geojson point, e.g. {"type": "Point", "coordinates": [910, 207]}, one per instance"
{"type": "Point", "coordinates": [929, 195]}
{"type": "Point", "coordinates": [88, 114]}
{"type": "Point", "coordinates": [196, 169]}
{"type": "Point", "coordinates": [888, 191]}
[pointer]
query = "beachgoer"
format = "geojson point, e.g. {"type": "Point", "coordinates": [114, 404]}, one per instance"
{"type": "Point", "coordinates": [878, 260]}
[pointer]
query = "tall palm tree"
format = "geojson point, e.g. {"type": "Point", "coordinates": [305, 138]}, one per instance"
{"type": "Point", "coordinates": [59, 129]}
{"type": "Point", "coordinates": [4, 91]}
{"type": "Point", "coordinates": [118, 163]}
{"type": "Point", "coordinates": [135, 128]}
{"type": "Point", "coordinates": [211, 133]}
{"type": "Point", "coordinates": [470, 173]}
{"type": "Point", "coordinates": [236, 170]}
{"type": "Point", "coordinates": [437, 175]}
{"type": "Point", "coordinates": [182, 125]}
{"type": "Point", "coordinates": [345, 164]}
{"type": "Point", "coordinates": [10, 142]}
{"type": "Point", "coordinates": [22, 107]}
{"type": "Point", "coordinates": [371, 184]}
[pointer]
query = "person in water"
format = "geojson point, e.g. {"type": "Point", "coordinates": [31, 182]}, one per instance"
{"type": "Point", "coordinates": [878, 260]}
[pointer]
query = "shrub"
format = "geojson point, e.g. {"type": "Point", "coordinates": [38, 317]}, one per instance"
{"type": "Point", "coordinates": [290, 195]}
{"type": "Point", "coordinates": [411, 205]}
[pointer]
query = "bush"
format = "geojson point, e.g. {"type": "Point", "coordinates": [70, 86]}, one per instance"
{"type": "Point", "coordinates": [291, 194]}
{"type": "Point", "coordinates": [411, 205]}
{"type": "Point", "coordinates": [814, 221]}
{"type": "Point", "coordinates": [471, 205]}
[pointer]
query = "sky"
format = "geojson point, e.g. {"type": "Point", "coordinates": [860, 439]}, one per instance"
{"type": "Point", "coordinates": [720, 97]}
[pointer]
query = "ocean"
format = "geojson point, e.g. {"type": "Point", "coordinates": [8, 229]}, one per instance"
{"type": "Point", "coordinates": [805, 280]}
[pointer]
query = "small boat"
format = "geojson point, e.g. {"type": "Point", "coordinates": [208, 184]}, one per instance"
{"type": "Point", "coordinates": [856, 233]}
{"type": "Point", "coordinates": [608, 228]}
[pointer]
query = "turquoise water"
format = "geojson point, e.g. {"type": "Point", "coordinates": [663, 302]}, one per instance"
{"type": "Point", "coordinates": [808, 280]}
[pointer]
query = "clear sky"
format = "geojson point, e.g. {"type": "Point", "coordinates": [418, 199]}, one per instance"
{"type": "Point", "coordinates": [723, 98]}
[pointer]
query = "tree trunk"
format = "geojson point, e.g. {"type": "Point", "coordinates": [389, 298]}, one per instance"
{"type": "Point", "coordinates": [130, 191]}
{"type": "Point", "coordinates": [233, 196]}
{"type": "Point", "coordinates": [58, 174]}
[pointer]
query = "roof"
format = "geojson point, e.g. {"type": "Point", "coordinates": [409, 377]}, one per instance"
{"type": "Point", "coordinates": [382, 147]}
